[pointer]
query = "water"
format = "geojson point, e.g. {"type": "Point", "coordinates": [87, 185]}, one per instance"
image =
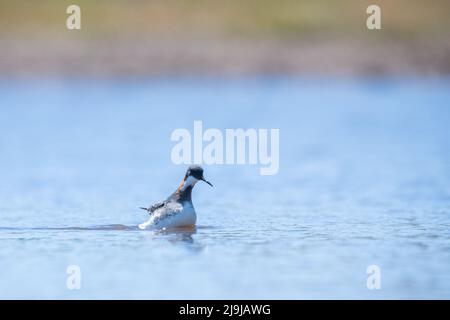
{"type": "Point", "coordinates": [364, 180]}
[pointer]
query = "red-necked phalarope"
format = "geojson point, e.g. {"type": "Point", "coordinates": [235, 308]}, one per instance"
{"type": "Point", "coordinates": [178, 210]}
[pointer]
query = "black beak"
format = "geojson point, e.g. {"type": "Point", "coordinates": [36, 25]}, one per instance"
{"type": "Point", "coordinates": [203, 179]}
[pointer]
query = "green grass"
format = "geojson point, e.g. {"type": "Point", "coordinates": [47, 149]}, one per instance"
{"type": "Point", "coordinates": [227, 18]}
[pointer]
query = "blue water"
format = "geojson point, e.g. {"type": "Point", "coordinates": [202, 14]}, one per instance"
{"type": "Point", "coordinates": [364, 180]}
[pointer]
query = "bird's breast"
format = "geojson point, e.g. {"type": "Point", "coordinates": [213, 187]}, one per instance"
{"type": "Point", "coordinates": [187, 214]}
{"type": "Point", "coordinates": [173, 215]}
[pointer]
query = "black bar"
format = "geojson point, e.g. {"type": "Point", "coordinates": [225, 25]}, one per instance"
{"type": "Point", "coordinates": [227, 309]}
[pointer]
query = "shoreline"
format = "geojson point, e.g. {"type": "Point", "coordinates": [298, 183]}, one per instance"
{"type": "Point", "coordinates": [352, 57]}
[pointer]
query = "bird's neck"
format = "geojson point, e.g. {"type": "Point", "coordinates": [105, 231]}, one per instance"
{"type": "Point", "coordinates": [186, 183]}
{"type": "Point", "coordinates": [185, 188]}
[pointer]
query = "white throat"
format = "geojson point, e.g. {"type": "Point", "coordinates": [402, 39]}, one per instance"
{"type": "Point", "coordinates": [190, 181]}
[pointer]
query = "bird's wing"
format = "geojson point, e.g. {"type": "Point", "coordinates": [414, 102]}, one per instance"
{"type": "Point", "coordinates": [154, 207]}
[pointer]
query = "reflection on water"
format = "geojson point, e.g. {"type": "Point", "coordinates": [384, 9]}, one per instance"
{"type": "Point", "coordinates": [107, 227]}
{"type": "Point", "coordinates": [178, 234]}
{"type": "Point", "coordinates": [363, 180]}
{"type": "Point", "coordinates": [183, 234]}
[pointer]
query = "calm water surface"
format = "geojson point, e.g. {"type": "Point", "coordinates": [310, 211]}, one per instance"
{"type": "Point", "coordinates": [364, 180]}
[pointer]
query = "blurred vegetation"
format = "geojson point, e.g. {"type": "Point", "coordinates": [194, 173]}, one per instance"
{"type": "Point", "coordinates": [235, 37]}
{"type": "Point", "coordinates": [226, 18]}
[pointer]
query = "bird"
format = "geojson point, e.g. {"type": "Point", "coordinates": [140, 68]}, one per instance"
{"type": "Point", "coordinates": [177, 210]}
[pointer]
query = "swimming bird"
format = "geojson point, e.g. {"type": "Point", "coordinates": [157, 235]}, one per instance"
{"type": "Point", "coordinates": [177, 210]}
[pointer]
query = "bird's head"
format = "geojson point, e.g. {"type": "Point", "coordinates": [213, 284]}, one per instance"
{"type": "Point", "coordinates": [195, 173]}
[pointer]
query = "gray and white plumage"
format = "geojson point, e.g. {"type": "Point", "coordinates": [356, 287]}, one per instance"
{"type": "Point", "coordinates": [177, 210]}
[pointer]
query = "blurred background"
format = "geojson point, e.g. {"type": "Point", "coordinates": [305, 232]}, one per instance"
{"type": "Point", "coordinates": [86, 118]}
{"type": "Point", "coordinates": [254, 37]}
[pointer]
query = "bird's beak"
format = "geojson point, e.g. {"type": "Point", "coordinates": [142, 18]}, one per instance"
{"type": "Point", "coordinates": [203, 179]}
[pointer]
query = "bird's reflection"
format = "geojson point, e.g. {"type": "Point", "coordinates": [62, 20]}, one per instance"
{"type": "Point", "coordinates": [179, 235]}
{"type": "Point", "coordinates": [173, 235]}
